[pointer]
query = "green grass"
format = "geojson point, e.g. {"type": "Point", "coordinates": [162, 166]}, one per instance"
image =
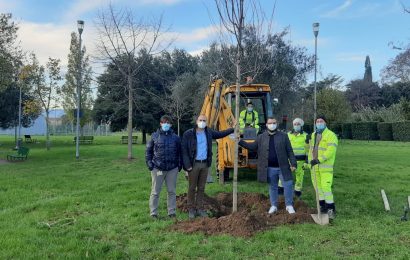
{"type": "Point", "coordinates": [97, 207]}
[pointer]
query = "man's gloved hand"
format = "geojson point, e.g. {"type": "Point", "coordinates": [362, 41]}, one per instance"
{"type": "Point", "coordinates": [314, 162]}
{"type": "Point", "coordinates": [305, 166]}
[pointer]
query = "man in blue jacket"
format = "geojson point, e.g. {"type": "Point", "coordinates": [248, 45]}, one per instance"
{"type": "Point", "coordinates": [163, 158]}
{"type": "Point", "coordinates": [197, 158]}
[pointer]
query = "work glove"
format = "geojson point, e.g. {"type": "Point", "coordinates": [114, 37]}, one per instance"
{"type": "Point", "coordinates": [305, 166]}
{"type": "Point", "coordinates": [314, 162]}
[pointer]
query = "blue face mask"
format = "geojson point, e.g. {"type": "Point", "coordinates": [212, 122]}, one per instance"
{"type": "Point", "coordinates": [250, 109]}
{"type": "Point", "coordinates": [165, 127]}
{"type": "Point", "coordinates": [320, 126]}
{"type": "Point", "coordinates": [297, 128]}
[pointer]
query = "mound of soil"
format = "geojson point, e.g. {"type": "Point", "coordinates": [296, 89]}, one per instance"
{"type": "Point", "coordinates": [250, 218]}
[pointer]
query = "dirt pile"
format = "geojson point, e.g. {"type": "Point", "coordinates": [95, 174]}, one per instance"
{"type": "Point", "coordinates": [250, 218]}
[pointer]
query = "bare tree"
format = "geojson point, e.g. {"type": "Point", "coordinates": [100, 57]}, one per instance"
{"type": "Point", "coordinates": [121, 37]}
{"type": "Point", "coordinates": [46, 88]}
{"type": "Point", "coordinates": [235, 17]}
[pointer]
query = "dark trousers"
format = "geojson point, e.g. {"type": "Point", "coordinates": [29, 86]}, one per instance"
{"type": "Point", "coordinates": [197, 180]}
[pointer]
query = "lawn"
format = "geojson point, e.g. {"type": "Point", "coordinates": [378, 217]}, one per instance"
{"type": "Point", "coordinates": [53, 206]}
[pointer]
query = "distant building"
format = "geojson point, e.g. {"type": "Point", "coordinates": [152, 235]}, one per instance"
{"type": "Point", "coordinates": [39, 126]}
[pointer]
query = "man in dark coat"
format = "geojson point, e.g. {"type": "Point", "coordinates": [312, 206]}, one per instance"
{"type": "Point", "coordinates": [163, 158]}
{"type": "Point", "coordinates": [275, 161]}
{"type": "Point", "coordinates": [197, 158]}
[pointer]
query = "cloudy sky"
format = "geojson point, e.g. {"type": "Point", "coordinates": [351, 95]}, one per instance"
{"type": "Point", "coordinates": [349, 29]}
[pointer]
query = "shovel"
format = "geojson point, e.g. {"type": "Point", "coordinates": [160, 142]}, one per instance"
{"type": "Point", "coordinates": [319, 218]}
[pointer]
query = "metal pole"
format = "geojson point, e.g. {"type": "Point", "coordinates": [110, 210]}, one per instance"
{"type": "Point", "coordinates": [77, 143]}
{"type": "Point", "coordinates": [19, 132]}
{"type": "Point", "coordinates": [315, 104]}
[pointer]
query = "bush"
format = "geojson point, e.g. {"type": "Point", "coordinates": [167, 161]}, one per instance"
{"type": "Point", "coordinates": [385, 131]}
{"type": "Point", "coordinates": [365, 131]}
{"type": "Point", "coordinates": [308, 128]}
{"type": "Point", "coordinates": [401, 131]}
{"type": "Point", "coordinates": [336, 128]}
{"type": "Point", "coordinates": [347, 131]}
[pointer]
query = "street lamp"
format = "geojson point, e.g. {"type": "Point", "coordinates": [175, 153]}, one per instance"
{"type": "Point", "coordinates": [315, 32]}
{"type": "Point", "coordinates": [80, 26]}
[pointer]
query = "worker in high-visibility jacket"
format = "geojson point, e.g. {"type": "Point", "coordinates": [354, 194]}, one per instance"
{"type": "Point", "coordinates": [322, 155]}
{"type": "Point", "coordinates": [300, 145]}
{"type": "Point", "coordinates": [249, 118]}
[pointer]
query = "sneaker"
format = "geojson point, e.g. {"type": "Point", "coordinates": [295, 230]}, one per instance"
{"type": "Point", "coordinates": [290, 210]}
{"type": "Point", "coordinates": [202, 213]}
{"type": "Point", "coordinates": [331, 214]}
{"type": "Point", "coordinates": [154, 216]}
{"type": "Point", "coordinates": [173, 215]}
{"type": "Point", "coordinates": [272, 210]}
{"type": "Point", "coordinates": [191, 214]}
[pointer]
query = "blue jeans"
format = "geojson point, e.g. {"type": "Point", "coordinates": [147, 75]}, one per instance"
{"type": "Point", "coordinates": [273, 178]}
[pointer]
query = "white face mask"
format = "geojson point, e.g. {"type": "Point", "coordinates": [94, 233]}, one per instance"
{"type": "Point", "coordinates": [272, 127]}
{"type": "Point", "coordinates": [201, 124]}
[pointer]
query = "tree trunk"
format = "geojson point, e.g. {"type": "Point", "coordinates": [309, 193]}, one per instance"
{"type": "Point", "coordinates": [129, 127]}
{"type": "Point", "coordinates": [47, 130]}
{"type": "Point", "coordinates": [144, 136]}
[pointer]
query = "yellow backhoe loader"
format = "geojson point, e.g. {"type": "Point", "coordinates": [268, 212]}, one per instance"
{"type": "Point", "coordinates": [218, 106]}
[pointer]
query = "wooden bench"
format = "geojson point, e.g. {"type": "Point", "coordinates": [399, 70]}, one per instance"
{"type": "Point", "coordinates": [124, 139]}
{"type": "Point", "coordinates": [28, 139]}
{"type": "Point", "coordinates": [21, 155]}
{"type": "Point", "coordinates": [86, 139]}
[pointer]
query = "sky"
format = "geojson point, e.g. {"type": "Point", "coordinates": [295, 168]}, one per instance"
{"type": "Point", "coordinates": [349, 29]}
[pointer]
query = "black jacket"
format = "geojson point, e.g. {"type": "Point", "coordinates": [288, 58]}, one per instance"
{"type": "Point", "coordinates": [163, 151]}
{"type": "Point", "coordinates": [189, 145]}
{"type": "Point", "coordinates": [284, 152]}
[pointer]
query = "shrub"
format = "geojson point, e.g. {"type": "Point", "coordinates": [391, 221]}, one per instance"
{"type": "Point", "coordinates": [401, 131]}
{"type": "Point", "coordinates": [347, 131]}
{"type": "Point", "coordinates": [365, 131]}
{"type": "Point", "coordinates": [385, 131]}
{"type": "Point", "coordinates": [336, 128]}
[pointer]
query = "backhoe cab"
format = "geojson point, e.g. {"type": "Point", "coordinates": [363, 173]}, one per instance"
{"type": "Point", "coordinates": [219, 107]}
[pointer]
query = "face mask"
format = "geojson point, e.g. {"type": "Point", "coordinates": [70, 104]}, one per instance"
{"type": "Point", "coordinates": [320, 126]}
{"type": "Point", "coordinates": [250, 109]}
{"type": "Point", "coordinates": [272, 127]}
{"type": "Point", "coordinates": [201, 124]}
{"type": "Point", "coordinates": [297, 128]}
{"type": "Point", "coordinates": [165, 127]}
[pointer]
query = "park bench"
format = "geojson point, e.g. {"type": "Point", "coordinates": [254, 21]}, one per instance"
{"type": "Point", "coordinates": [124, 139]}
{"type": "Point", "coordinates": [28, 139]}
{"type": "Point", "coordinates": [86, 139]}
{"type": "Point", "coordinates": [21, 155]}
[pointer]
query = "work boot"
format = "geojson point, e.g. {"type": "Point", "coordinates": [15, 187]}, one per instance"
{"type": "Point", "coordinates": [331, 210]}
{"type": "Point", "coordinates": [298, 193]}
{"type": "Point", "coordinates": [202, 213]}
{"type": "Point", "coordinates": [191, 214]}
{"type": "Point", "coordinates": [154, 216]}
{"type": "Point", "coordinates": [280, 190]}
{"type": "Point", "coordinates": [323, 208]}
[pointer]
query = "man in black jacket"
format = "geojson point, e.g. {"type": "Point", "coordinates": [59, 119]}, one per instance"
{"type": "Point", "coordinates": [163, 158]}
{"type": "Point", "coordinates": [275, 161]}
{"type": "Point", "coordinates": [197, 158]}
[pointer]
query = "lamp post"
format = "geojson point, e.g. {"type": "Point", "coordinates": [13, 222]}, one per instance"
{"type": "Point", "coordinates": [316, 33]}
{"type": "Point", "coordinates": [80, 26]}
{"type": "Point", "coordinates": [19, 131]}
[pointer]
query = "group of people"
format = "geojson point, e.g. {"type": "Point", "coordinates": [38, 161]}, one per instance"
{"type": "Point", "coordinates": [280, 156]}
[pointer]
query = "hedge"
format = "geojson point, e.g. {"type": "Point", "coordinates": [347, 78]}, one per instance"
{"type": "Point", "coordinates": [401, 131]}
{"type": "Point", "coordinates": [308, 128]}
{"type": "Point", "coordinates": [347, 131]}
{"type": "Point", "coordinates": [385, 131]}
{"type": "Point", "coordinates": [365, 131]}
{"type": "Point", "coordinates": [336, 128]}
